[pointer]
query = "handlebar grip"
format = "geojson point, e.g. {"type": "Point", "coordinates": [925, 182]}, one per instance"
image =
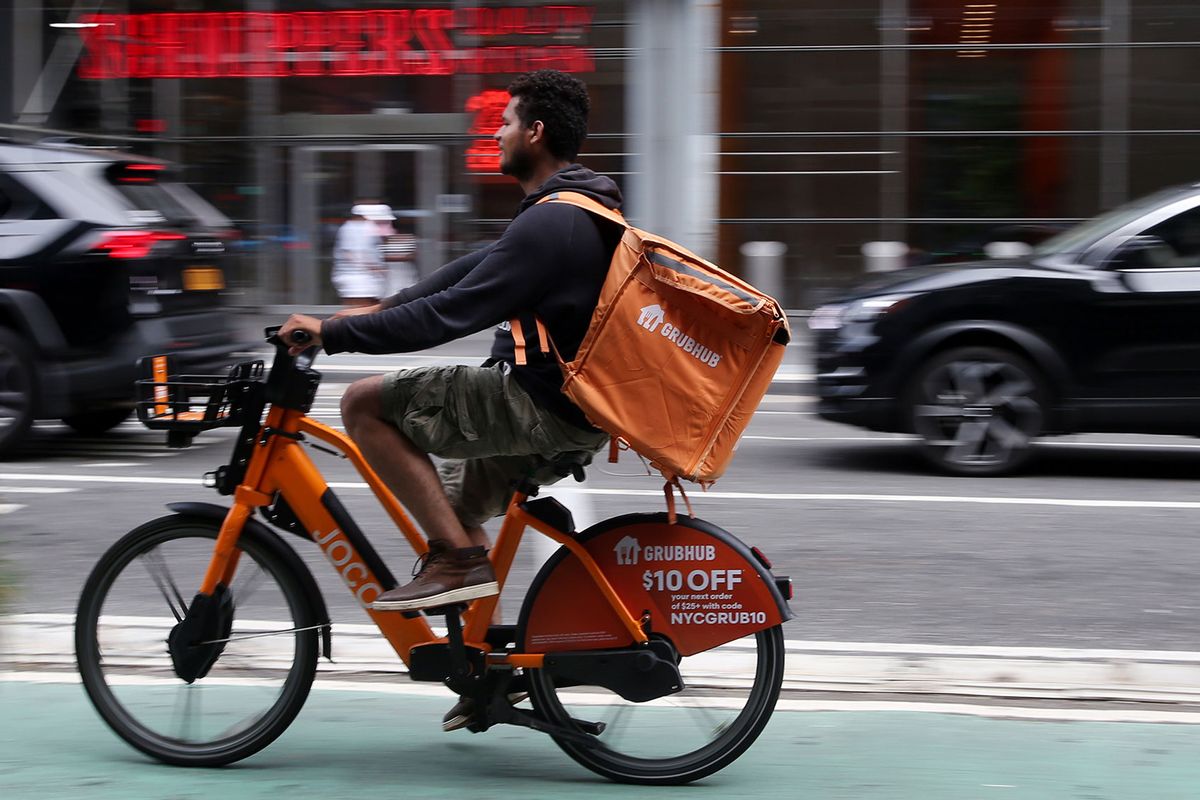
{"type": "Point", "coordinates": [300, 337]}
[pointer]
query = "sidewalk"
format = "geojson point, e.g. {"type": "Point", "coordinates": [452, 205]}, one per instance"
{"type": "Point", "coordinates": [847, 672]}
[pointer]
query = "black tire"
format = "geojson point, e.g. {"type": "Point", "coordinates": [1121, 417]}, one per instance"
{"type": "Point", "coordinates": [977, 410]}
{"type": "Point", "coordinates": [126, 667]}
{"type": "Point", "coordinates": [734, 737]}
{"type": "Point", "coordinates": [653, 743]}
{"type": "Point", "coordinates": [18, 391]}
{"type": "Point", "coordinates": [91, 423]}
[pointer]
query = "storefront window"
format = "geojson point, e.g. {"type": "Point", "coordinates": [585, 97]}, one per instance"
{"type": "Point", "coordinates": [1164, 146]}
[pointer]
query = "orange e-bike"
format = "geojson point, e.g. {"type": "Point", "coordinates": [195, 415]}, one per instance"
{"type": "Point", "coordinates": [650, 646]}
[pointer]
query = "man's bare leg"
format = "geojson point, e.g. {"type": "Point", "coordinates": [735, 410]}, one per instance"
{"type": "Point", "coordinates": [406, 470]}
{"type": "Point", "coordinates": [461, 570]}
{"type": "Point", "coordinates": [391, 455]}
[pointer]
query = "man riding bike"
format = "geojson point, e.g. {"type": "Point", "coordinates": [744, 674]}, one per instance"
{"type": "Point", "coordinates": [500, 421]}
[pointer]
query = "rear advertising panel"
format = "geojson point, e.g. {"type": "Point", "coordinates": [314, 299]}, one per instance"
{"type": "Point", "coordinates": [700, 589]}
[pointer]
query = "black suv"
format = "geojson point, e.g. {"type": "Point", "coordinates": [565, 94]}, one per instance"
{"type": "Point", "coordinates": [104, 259]}
{"type": "Point", "coordinates": [1097, 329]}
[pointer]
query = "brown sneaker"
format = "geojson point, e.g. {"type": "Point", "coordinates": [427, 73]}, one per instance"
{"type": "Point", "coordinates": [447, 576]}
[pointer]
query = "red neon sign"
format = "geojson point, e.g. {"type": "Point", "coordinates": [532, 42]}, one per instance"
{"type": "Point", "coordinates": [281, 44]}
{"type": "Point", "coordinates": [483, 154]}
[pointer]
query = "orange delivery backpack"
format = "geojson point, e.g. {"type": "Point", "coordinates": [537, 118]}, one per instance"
{"type": "Point", "coordinates": [677, 356]}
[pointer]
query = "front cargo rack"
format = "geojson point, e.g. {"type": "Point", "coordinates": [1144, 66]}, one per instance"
{"type": "Point", "coordinates": [192, 403]}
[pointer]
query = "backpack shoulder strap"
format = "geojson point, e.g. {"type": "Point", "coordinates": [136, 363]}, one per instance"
{"type": "Point", "coordinates": [587, 204]}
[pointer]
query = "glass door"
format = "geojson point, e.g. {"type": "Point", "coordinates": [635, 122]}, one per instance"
{"type": "Point", "coordinates": [329, 180]}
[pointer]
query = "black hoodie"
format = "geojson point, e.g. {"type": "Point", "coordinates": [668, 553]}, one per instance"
{"type": "Point", "coordinates": [550, 262]}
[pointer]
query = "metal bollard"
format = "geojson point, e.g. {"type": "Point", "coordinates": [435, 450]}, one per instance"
{"type": "Point", "coordinates": [883, 256]}
{"type": "Point", "coordinates": [762, 264]}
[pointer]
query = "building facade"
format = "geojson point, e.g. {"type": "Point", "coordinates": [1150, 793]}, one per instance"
{"type": "Point", "coordinates": [859, 135]}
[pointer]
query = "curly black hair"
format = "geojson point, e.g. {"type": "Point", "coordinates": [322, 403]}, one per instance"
{"type": "Point", "coordinates": [561, 102]}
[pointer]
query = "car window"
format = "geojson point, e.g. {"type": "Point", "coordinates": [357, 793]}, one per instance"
{"type": "Point", "coordinates": [153, 198]}
{"type": "Point", "coordinates": [76, 194]}
{"type": "Point", "coordinates": [1077, 239]}
{"type": "Point", "coordinates": [196, 205]}
{"type": "Point", "coordinates": [1180, 237]}
{"type": "Point", "coordinates": [17, 203]}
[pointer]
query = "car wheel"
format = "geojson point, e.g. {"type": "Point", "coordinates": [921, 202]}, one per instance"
{"type": "Point", "coordinates": [977, 410]}
{"type": "Point", "coordinates": [91, 423]}
{"type": "Point", "coordinates": [17, 391]}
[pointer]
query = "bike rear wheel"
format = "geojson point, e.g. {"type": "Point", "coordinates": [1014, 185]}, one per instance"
{"type": "Point", "coordinates": [266, 652]}
{"type": "Point", "coordinates": [729, 694]}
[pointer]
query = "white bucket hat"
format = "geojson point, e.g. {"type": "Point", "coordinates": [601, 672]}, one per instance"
{"type": "Point", "coordinates": [379, 213]}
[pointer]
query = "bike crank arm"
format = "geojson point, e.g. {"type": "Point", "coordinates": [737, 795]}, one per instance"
{"type": "Point", "coordinates": [586, 735]}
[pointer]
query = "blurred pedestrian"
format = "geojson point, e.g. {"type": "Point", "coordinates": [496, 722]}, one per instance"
{"type": "Point", "coordinates": [358, 271]}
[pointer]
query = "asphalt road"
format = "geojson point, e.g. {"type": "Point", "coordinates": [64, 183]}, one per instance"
{"type": "Point", "coordinates": [1096, 544]}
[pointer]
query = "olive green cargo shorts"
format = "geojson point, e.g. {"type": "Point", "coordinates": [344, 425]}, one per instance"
{"type": "Point", "coordinates": [488, 428]}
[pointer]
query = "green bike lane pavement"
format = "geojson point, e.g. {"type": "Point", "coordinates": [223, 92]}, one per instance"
{"type": "Point", "coordinates": [358, 744]}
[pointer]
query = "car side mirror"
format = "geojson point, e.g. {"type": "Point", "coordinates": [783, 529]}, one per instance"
{"type": "Point", "coordinates": [1141, 252]}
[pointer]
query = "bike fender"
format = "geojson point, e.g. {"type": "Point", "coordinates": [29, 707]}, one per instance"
{"type": "Point", "coordinates": [274, 541]}
{"type": "Point", "coordinates": [700, 585]}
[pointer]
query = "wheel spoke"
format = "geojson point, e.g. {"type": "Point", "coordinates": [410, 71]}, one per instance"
{"type": "Point", "coordinates": [967, 444]}
{"type": "Point", "coordinates": [160, 573]}
{"type": "Point", "coordinates": [1011, 389]}
{"type": "Point", "coordinates": [1007, 436]}
{"type": "Point", "coordinates": [967, 379]}
{"type": "Point", "coordinates": [248, 586]}
{"type": "Point", "coordinates": [185, 719]}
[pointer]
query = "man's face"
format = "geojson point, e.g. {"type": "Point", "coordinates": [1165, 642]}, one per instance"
{"type": "Point", "coordinates": [512, 138]}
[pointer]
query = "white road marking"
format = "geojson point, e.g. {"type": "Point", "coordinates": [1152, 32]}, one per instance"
{"type": "Point", "coordinates": [8, 508]}
{"type": "Point", "coordinates": [897, 438]}
{"type": "Point", "coordinates": [21, 476]}
{"type": "Point", "coordinates": [35, 490]}
{"type": "Point", "coordinates": [698, 495]}
{"type": "Point", "coordinates": [106, 464]}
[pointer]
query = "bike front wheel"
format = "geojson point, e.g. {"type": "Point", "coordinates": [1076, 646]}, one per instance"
{"type": "Point", "coordinates": [728, 698]}
{"type": "Point", "coordinates": [265, 651]}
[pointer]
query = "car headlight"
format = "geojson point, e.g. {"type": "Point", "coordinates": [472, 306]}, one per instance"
{"type": "Point", "coordinates": [826, 318]}
{"type": "Point", "coordinates": [833, 316]}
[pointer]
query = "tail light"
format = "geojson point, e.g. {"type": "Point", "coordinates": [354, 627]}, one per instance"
{"type": "Point", "coordinates": [132, 244]}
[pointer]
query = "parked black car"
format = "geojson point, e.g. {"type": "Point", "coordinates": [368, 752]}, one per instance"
{"type": "Point", "coordinates": [1098, 329]}
{"type": "Point", "coordinates": [104, 258]}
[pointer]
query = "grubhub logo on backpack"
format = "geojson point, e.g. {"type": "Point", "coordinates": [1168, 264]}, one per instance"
{"type": "Point", "coordinates": [652, 319]}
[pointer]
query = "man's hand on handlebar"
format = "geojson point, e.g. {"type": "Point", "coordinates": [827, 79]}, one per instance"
{"type": "Point", "coordinates": [300, 322]}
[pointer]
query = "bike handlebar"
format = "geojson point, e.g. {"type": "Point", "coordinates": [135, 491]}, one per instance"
{"type": "Point", "coordinates": [299, 338]}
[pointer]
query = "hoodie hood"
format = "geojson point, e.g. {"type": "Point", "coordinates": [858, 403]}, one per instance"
{"type": "Point", "coordinates": [577, 178]}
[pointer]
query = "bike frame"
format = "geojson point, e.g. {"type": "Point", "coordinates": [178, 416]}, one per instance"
{"type": "Point", "coordinates": [279, 466]}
